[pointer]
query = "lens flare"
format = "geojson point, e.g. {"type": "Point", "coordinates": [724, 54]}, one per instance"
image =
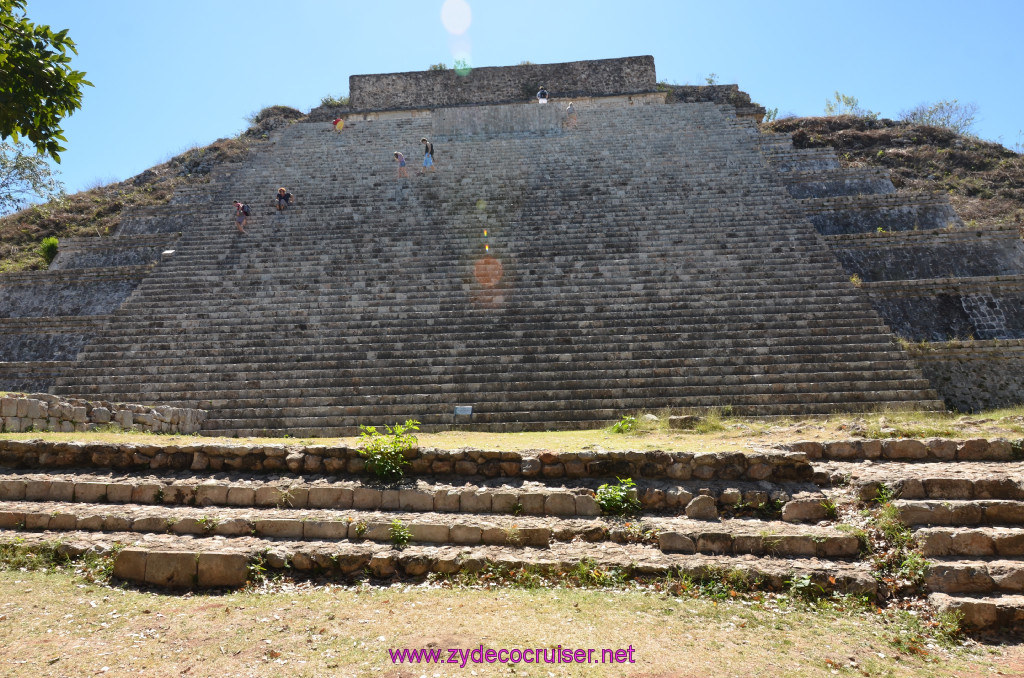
{"type": "Point", "coordinates": [456, 16]}
{"type": "Point", "coordinates": [481, 204]}
{"type": "Point", "coordinates": [487, 248]}
{"type": "Point", "coordinates": [488, 271]}
{"type": "Point", "coordinates": [485, 232]}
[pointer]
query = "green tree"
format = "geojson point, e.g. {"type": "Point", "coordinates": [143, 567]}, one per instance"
{"type": "Point", "coordinates": [948, 113]}
{"type": "Point", "coordinates": [38, 87]}
{"type": "Point", "coordinates": [843, 104]}
{"type": "Point", "coordinates": [24, 176]}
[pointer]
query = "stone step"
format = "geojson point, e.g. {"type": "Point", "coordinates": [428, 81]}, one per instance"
{"type": "Point", "coordinates": [981, 613]}
{"type": "Point", "coordinates": [795, 502]}
{"type": "Point", "coordinates": [961, 512]}
{"type": "Point", "coordinates": [184, 561]}
{"type": "Point", "coordinates": [931, 480]}
{"type": "Point", "coordinates": [977, 576]}
{"type": "Point", "coordinates": [1004, 542]}
{"type": "Point", "coordinates": [677, 535]}
{"type": "Point", "coordinates": [908, 449]}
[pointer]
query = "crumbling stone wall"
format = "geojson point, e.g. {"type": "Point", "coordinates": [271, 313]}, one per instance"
{"type": "Point", "coordinates": [45, 412]}
{"type": "Point", "coordinates": [507, 84]}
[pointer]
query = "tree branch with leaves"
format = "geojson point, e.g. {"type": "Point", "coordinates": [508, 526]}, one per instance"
{"type": "Point", "coordinates": [38, 86]}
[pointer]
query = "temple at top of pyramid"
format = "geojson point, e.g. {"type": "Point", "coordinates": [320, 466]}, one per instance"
{"type": "Point", "coordinates": [652, 250]}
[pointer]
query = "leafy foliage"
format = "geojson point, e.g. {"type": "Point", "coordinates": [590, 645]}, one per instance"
{"type": "Point", "coordinates": [385, 452]}
{"type": "Point", "coordinates": [627, 424]}
{"type": "Point", "coordinates": [23, 176]}
{"type": "Point", "coordinates": [948, 113]}
{"type": "Point", "coordinates": [334, 102]}
{"type": "Point", "coordinates": [38, 87]}
{"type": "Point", "coordinates": [619, 499]}
{"type": "Point", "coordinates": [399, 534]}
{"type": "Point", "coordinates": [438, 67]}
{"type": "Point", "coordinates": [48, 249]}
{"type": "Point", "coordinates": [843, 104]}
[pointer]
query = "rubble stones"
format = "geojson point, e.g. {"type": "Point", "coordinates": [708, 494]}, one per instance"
{"type": "Point", "coordinates": [44, 412]}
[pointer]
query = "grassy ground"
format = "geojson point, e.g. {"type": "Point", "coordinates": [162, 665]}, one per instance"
{"type": "Point", "coordinates": [56, 624]}
{"type": "Point", "coordinates": [715, 433]}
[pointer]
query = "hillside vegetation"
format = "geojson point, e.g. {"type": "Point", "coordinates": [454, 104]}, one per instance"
{"type": "Point", "coordinates": [984, 180]}
{"type": "Point", "coordinates": [97, 211]}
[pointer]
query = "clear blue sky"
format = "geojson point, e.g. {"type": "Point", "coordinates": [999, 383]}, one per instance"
{"type": "Point", "coordinates": [170, 75]}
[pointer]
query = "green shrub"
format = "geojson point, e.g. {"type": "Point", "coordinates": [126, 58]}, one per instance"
{"type": "Point", "coordinates": [48, 249]}
{"type": "Point", "coordinates": [625, 425]}
{"type": "Point", "coordinates": [619, 499]}
{"type": "Point", "coordinates": [385, 452]}
{"type": "Point", "coordinates": [438, 67]}
{"type": "Point", "coordinates": [334, 102]}
{"type": "Point", "coordinates": [399, 534]}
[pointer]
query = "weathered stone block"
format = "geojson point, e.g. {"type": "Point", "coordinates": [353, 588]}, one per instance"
{"type": "Point", "coordinates": [330, 497]}
{"type": "Point", "coordinates": [130, 565]}
{"type": "Point", "coordinates": [804, 511]}
{"type": "Point", "coordinates": [211, 495]}
{"type": "Point", "coordinates": [171, 569]}
{"type": "Point", "coordinates": [222, 569]}
{"type": "Point", "coordinates": [279, 528]}
{"type": "Point", "coordinates": [90, 492]}
{"type": "Point", "coordinates": [560, 504]}
{"type": "Point", "coordinates": [702, 508]}
{"type": "Point", "coordinates": [465, 534]}
{"type": "Point", "coordinates": [475, 501]}
{"type": "Point", "coordinates": [366, 498]}
{"type": "Point", "coordinates": [241, 496]}
{"type": "Point", "coordinates": [429, 532]}
{"type": "Point", "coordinates": [12, 490]}
{"type": "Point", "coordinates": [674, 542]}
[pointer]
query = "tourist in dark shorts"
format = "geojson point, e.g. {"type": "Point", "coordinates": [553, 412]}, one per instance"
{"type": "Point", "coordinates": [241, 216]}
{"type": "Point", "coordinates": [284, 198]}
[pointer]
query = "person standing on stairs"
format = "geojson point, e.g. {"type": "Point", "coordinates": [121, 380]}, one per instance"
{"type": "Point", "coordinates": [284, 198]}
{"type": "Point", "coordinates": [428, 156]}
{"type": "Point", "coordinates": [400, 159]}
{"type": "Point", "coordinates": [241, 216]}
{"type": "Point", "coordinates": [570, 116]}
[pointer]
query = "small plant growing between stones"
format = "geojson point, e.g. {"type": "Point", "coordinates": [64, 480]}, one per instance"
{"type": "Point", "coordinates": [285, 498]}
{"type": "Point", "coordinates": [385, 452]}
{"type": "Point", "coordinates": [638, 533]}
{"type": "Point", "coordinates": [804, 588]}
{"type": "Point", "coordinates": [48, 249]}
{"type": "Point", "coordinates": [361, 527]}
{"type": "Point", "coordinates": [209, 524]}
{"type": "Point", "coordinates": [627, 424]}
{"type": "Point", "coordinates": [831, 509]}
{"type": "Point", "coordinates": [856, 280]}
{"type": "Point", "coordinates": [399, 534]}
{"type": "Point", "coordinates": [517, 509]}
{"type": "Point", "coordinates": [619, 499]}
{"type": "Point", "coordinates": [513, 536]}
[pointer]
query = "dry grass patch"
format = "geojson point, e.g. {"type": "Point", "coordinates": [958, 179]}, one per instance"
{"type": "Point", "coordinates": [722, 433]}
{"type": "Point", "coordinates": [52, 624]}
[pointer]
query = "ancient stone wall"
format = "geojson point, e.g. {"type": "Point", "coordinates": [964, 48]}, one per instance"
{"type": "Point", "coordinates": [946, 309]}
{"type": "Point", "coordinates": [33, 294]}
{"type": "Point", "coordinates": [508, 84]}
{"type": "Point", "coordinates": [45, 412]}
{"type": "Point", "coordinates": [975, 375]}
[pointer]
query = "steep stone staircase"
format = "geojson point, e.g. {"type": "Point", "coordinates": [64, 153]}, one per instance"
{"type": "Point", "coordinates": [205, 513]}
{"type": "Point", "coordinates": [544, 276]}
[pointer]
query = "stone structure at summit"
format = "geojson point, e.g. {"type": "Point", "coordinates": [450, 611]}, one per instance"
{"type": "Point", "coordinates": [660, 254]}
